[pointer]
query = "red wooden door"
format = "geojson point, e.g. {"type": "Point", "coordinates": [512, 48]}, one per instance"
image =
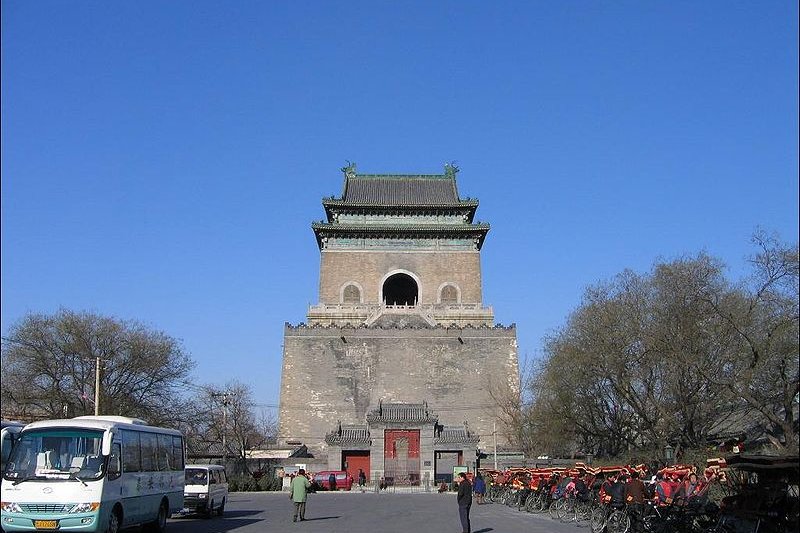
{"type": "Point", "coordinates": [353, 460]}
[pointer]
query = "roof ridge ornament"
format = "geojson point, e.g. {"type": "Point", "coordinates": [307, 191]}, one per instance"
{"type": "Point", "coordinates": [450, 169]}
{"type": "Point", "coordinates": [349, 170]}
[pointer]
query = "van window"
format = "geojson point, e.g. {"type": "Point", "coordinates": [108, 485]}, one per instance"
{"type": "Point", "coordinates": [223, 478]}
{"type": "Point", "coordinates": [196, 476]}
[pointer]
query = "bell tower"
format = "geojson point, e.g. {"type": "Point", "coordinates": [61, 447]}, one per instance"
{"type": "Point", "coordinates": [400, 321]}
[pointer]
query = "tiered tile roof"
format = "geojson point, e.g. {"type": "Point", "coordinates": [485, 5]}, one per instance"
{"type": "Point", "coordinates": [404, 193]}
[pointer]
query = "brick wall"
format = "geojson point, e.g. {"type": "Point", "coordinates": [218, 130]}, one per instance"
{"type": "Point", "coordinates": [340, 373]}
{"type": "Point", "coordinates": [368, 269]}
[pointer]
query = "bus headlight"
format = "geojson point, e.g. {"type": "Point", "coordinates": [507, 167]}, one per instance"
{"type": "Point", "coordinates": [202, 496]}
{"type": "Point", "coordinates": [10, 507]}
{"type": "Point", "coordinates": [85, 507]}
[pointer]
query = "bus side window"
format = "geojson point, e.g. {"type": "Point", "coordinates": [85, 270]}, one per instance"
{"type": "Point", "coordinates": [149, 451]}
{"type": "Point", "coordinates": [177, 453]}
{"type": "Point", "coordinates": [115, 462]}
{"type": "Point", "coordinates": [164, 452]}
{"type": "Point", "coordinates": [131, 461]}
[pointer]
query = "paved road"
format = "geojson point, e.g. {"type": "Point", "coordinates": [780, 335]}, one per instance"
{"type": "Point", "coordinates": [269, 512]}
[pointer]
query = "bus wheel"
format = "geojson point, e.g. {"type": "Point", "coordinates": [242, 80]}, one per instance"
{"type": "Point", "coordinates": [113, 522]}
{"type": "Point", "coordinates": [160, 525]}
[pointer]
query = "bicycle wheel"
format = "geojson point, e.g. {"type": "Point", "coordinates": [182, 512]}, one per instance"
{"type": "Point", "coordinates": [530, 502]}
{"type": "Point", "coordinates": [539, 503]}
{"type": "Point", "coordinates": [523, 498]}
{"type": "Point", "coordinates": [566, 513]}
{"type": "Point", "coordinates": [583, 511]}
{"type": "Point", "coordinates": [654, 521]}
{"type": "Point", "coordinates": [515, 502]}
{"type": "Point", "coordinates": [618, 522]}
{"type": "Point", "coordinates": [542, 504]}
{"type": "Point", "coordinates": [598, 520]}
{"type": "Point", "coordinates": [553, 509]}
{"type": "Point", "coordinates": [534, 502]}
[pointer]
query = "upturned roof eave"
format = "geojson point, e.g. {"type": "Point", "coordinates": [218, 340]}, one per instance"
{"type": "Point", "coordinates": [467, 202]}
{"type": "Point", "coordinates": [479, 230]}
{"type": "Point", "coordinates": [334, 205]}
{"type": "Point", "coordinates": [401, 228]}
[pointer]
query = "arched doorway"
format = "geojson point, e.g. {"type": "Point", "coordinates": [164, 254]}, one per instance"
{"type": "Point", "coordinates": [400, 289]}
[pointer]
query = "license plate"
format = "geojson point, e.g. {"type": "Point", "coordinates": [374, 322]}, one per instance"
{"type": "Point", "coordinates": [45, 524]}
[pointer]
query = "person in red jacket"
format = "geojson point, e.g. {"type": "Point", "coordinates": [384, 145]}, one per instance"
{"type": "Point", "coordinates": [663, 493]}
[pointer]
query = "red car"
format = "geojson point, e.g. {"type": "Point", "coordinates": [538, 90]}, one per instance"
{"type": "Point", "coordinates": [343, 481]}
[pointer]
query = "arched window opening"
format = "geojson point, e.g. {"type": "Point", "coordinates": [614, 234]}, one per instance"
{"type": "Point", "coordinates": [400, 289]}
{"type": "Point", "coordinates": [449, 295]}
{"type": "Point", "coordinates": [351, 295]}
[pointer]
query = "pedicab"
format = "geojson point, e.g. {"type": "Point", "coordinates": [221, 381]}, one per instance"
{"type": "Point", "coordinates": [761, 494]}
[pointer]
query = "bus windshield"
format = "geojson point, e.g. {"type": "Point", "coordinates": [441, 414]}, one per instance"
{"type": "Point", "coordinates": [57, 454]}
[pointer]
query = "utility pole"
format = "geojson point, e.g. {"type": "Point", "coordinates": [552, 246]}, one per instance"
{"type": "Point", "coordinates": [494, 433]}
{"type": "Point", "coordinates": [225, 401]}
{"type": "Point", "coordinates": [97, 386]}
{"type": "Point", "coordinates": [97, 363]}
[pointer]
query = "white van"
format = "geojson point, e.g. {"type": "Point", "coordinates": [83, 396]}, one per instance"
{"type": "Point", "coordinates": [206, 490]}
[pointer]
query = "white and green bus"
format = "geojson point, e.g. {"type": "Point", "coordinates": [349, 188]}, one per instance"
{"type": "Point", "coordinates": [8, 436]}
{"type": "Point", "coordinates": [92, 473]}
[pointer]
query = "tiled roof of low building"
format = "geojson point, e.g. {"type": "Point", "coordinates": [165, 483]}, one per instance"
{"type": "Point", "coordinates": [349, 435]}
{"type": "Point", "coordinates": [402, 412]}
{"type": "Point", "coordinates": [454, 435]}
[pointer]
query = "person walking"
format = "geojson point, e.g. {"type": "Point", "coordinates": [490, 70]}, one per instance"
{"type": "Point", "coordinates": [362, 479]}
{"type": "Point", "coordinates": [299, 493]}
{"type": "Point", "coordinates": [480, 489]}
{"type": "Point", "coordinates": [464, 499]}
{"type": "Point", "coordinates": [332, 482]}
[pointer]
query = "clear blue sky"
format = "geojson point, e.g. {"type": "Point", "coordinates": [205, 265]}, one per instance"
{"type": "Point", "coordinates": [163, 161]}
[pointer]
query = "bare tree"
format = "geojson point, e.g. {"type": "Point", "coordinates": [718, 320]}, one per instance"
{"type": "Point", "coordinates": [49, 364]}
{"type": "Point", "coordinates": [225, 418]}
{"type": "Point", "coordinates": [669, 356]}
{"type": "Point", "coordinates": [756, 358]}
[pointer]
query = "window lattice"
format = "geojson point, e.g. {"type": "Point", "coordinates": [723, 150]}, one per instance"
{"type": "Point", "coordinates": [352, 295]}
